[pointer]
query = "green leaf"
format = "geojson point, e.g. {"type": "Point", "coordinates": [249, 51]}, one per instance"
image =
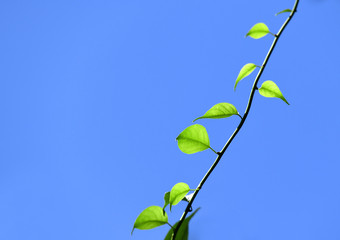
{"type": "Point", "coordinates": [220, 110]}
{"type": "Point", "coordinates": [258, 30]}
{"type": "Point", "coordinates": [270, 89]}
{"type": "Point", "coordinates": [183, 231]}
{"type": "Point", "coordinates": [193, 139]}
{"type": "Point", "coordinates": [245, 71]}
{"type": "Point", "coordinates": [150, 218]}
{"type": "Point", "coordinates": [178, 192]}
{"type": "Point", "coordinates": [166, 199]}
{"type": "Point", "coordinates": [283, 11]}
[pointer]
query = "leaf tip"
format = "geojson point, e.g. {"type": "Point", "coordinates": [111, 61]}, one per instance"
{"type": "Point", "coordinates": [285, 101]}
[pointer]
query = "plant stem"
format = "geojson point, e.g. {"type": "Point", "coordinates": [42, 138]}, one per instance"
{"type": "Point", "coordinates": [243, 119]}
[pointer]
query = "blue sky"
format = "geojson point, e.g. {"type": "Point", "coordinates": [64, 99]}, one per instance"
{"type": "Point", "coordinates": [94, 93]}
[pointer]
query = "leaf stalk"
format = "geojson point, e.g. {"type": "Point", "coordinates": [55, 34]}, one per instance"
{"type": "Point", "coordinates": [170, 225]}
{"type": "Point", "coordinates": [213, 150]}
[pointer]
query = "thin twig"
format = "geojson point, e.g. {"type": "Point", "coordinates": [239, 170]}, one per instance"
{"type": "Point", "coordinates": [243, 119]}
{"type": "Point", "coordinates": [170, 225]}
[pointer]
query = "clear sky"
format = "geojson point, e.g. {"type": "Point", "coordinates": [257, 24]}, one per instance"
{"type": "Point", "coordinates": [94, 93]}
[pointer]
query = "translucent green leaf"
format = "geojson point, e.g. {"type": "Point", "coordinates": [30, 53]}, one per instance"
{"type": "Point", "coordinates": [193, 139]}
{"type": "Point", "coordinates": [245, 71]}
{"type": "Point", "coordinates": [270, 89]}
{"type": "Point", "coordinates": [178, 192]}
{"type": "Point", "coordinates": [220, 110]}
{"type": "Point", "coordinates": [166, 199]}
{"type": "Point", "coordinates": [258, 30]}
{"type": "Point", "coordinates": [150, 218]}
{"type": "Point", "coordinates": [283, 11]}
{"type": "Point", "coordinates": [183, 231]}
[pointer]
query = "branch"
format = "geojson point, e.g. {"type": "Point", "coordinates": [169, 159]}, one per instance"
{"type": "Point", "coordinates": [243, 119]}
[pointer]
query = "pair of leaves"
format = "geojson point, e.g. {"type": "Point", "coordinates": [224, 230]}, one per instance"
{"type": "Point", "coordinates": [183, 231]}
{"type": "Point", "coordinates": [177, 194]}
{"type": "Point", "coordinates": [155, 216]}
{"type": "Point", "coordinates": [270, 89]}
{"type": "Point", "coordinates": [195, 137]}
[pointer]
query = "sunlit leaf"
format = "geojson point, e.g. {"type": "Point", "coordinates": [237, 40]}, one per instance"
{"type": "Point", "coordinates": [178, 192]}
{"type": "Point", "coordinates": [258, 30]}
{"type": "Point", "coordinates": [183, 231]}
{"type": "Point", "coordinates": [166, 200]}
{"type": "Point", "coordinates": [270, 89]}
{"type": "Point", "coordinates": [220, 110]}
{"type": "Point", "coordinates": [150, 218]}
{"type": "Point", "coordinates": [283, 11]}
{"type": "Point", "coordinates": [193, 139]}
{"type": "Point", "coordinates": [245, 71]}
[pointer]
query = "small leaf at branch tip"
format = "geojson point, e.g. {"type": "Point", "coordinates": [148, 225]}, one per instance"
{"type": "Point", "coordinates": [246, 70]}
{"type": "Point", "coordinates": [259, 30]}
{"type": "Point", "coordinates": [220, 110]}
{"type": "Point", "coordinates": [271, 90]}
{"type": "Point", "coordinates": [193, 139]}
{"type": "Point", "coordinates": [283, 11]}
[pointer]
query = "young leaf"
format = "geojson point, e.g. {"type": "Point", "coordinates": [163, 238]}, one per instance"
{"type": "Point", "coordinates": [193, 139]}
{"type": "Point", "coordinates": [245, 71]}
{"type": "Point", "coordinates": [150, 218]}
{"type": "Point", "coordinates": [177, 193]}
{"type": "Point", "coordinates": [258, 30]}
{"type": "Point", "coordinates": [283, 11]}
{"type": "Point", "coordinates": [270, 89]}
{"type": "Point", "coordinates": [220, 110]}
{"type": "Point", "coordinates": [166, 199]}
{"type": "Point", "coordinates": [183, 231]}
